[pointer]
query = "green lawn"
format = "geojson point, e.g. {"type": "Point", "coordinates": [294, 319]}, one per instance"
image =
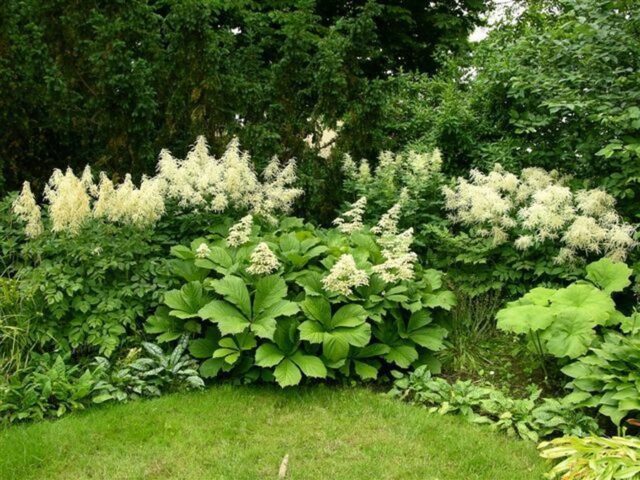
{"type": "Point", "coordinates": [243, 433]}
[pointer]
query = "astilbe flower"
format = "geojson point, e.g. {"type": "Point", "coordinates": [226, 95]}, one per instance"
{"type": "Point", "coordinates": [69, 202]}
{"type": "Point", "coordinates": [240, 232]}
{"type": "Point", "coordinates": [351, 220]}
{"type": "Point", "coordinates": [263, 260]}
{"type": "Point", "coordinates": [27, 210]}
{"type": "Point", "coordinates": [127, 204]}
{"type": "Point", "coordinates": [344, 276]}
{"type": "Point", "coordinates": [388, 223]}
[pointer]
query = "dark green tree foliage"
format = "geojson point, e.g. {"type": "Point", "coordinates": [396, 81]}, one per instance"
{"type": "Point", "coordinates": [112, 82]}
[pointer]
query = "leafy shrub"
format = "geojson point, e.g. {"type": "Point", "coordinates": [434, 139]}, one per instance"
{"type": "Point", "coordinates": [295, 300]}
{"type": "Point", "coordinates": [609, 376]}
{"type": "Point", "coordinates": [593, 458]}
{"type": "Point", "coordinates": [564, 322]}
{"type": "Point", "coordinates": [529, 418]}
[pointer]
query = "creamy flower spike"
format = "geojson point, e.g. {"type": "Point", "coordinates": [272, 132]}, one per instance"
{"type": "Point", "coordinates": [240, 232]}
{"type": "Point", "coordinates": [538, 207]}
{"type": "Point", "coordinates": [388, 223]}
{"type": "Point", "coordinates": [69, 202]}
{"type": "Point", "coordinates": [344, 276]}
{"type": "Point", "coordinates": [263, 260]}
{"type": "Point", "coordinates": [351, 220]}
{"type": "Point", "coordinates": [27, 210]}
{"type": "Point", "coordinates": [203, 250]}
{"type": "Point", "coordinates": [399, 259]}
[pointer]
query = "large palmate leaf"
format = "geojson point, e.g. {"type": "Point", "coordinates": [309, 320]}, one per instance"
{"type": "Point", "coordinates": [236, 313]}
{"type": "Point", "coordinates": [186, 302]}
{"type": "Point", "coordinates": [586, 302]}
{"type": "Point", "coordinates": [336, 332]}
{"type": "Point", "coordinates": [289, 366]}
{"type": "Point", "coordinates": [231, 348]}
{"type": "Point", "coordinates": [569, 336]}
{"type": "Point", "coordinates": [522, 319]}
{"type": "Point", "coordinates": [608, 275]}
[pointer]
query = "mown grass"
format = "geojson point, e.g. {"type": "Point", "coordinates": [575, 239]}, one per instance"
{"type": "Point", "coordinates": [244, 432]}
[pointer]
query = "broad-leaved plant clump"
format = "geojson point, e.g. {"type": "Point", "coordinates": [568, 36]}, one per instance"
{"type": "Point", "coordinates": [290, 301]}
{"type": "Point", "coordinates": [565, 322]}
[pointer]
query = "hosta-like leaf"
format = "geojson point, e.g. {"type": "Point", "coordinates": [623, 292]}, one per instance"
{"type": "Point", "coordinates": [311, 366]}
{"type": "Point", "coordinates": [268, 355]}
{"type": "Point", "coordinates": [234, 290]}
{"type": "Point", "coordinates": [521, 319]}
{"type": "Point", "coordinates": [287, 373]}
{"type": "Point", "coordinates": [608, 275]}
{"type": "Point", "coordinates": [590, 303]}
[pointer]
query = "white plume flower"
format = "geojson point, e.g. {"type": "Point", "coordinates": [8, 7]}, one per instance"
{"type": "Point", "coordinates": [344, 276]}
{"type": "Point", "coordinates": [388, 223]}
{"type": "Point", "coordinates": [27, 210]}
{"type": "Point", "coordinates": [263, 260]}
{"type": "Point", "coordinates": [240, 232]}
{"type": "Point", "coordinates": [351, 220]}
{"type": "Point", "coordinates": [203, 250]}
{"type": "Point", "coordinates": [399, 259]}
{"type": "Point", "coordinates": [69, 202]}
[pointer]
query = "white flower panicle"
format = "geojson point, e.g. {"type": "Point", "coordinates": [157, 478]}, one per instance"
{"type": "Point", "coordinates": [69, 201]}
{"type": "Point", "coordinates": [240, 232]}
{"type": "Point", "coordinates": [538, 207]}
{"type": "Point", "coordinates": [344, 276]}
{"type": "Point", "coordinates": [388, 223]}
{"type": "Point", "coordinates": [351, 220]}
{"type": "Point", "coordinates": [263, 260]}
{"type": "Point", "coordinates": [203, 250]}
{"type": "Point", "coordinates": [200, 182]}
{"type": "Point", "coordinates": [27, 210]}
{"type": "Point", "coordinates": [399, 259]}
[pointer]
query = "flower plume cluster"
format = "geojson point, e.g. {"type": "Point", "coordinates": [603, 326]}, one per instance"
{"type": "Point", "coordinates": [200, 182]}
{"type": "Point", "coordinates": [263, 260]}
{"type": "Point", "coordinates": [351, 220]}
{"type": "Point", "coordinates": [536, 207]}
{"type": "Point", "coordinates": [344, 276]}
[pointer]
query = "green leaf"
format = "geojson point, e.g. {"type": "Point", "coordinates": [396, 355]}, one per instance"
{"type": "Point", "coordinates": [357, 336]}
{"type": "Point", "coordinates": [349, 316]}
{"type": "Point", "coordinates": [430, 337]}
{"type": "Point", "coordinates": [608, 275]}
{"type": "Point", "coordinates": [201, 347]}
{"type": "Point", "coordinates": [537, 296]}
{"type": "Point", "coordinates": [444, 299]}
{"type": "Point", "coordinates": [335, 347]}
{"type": "Point", "coordinates": [365, 371]}
{"type": "Point", "coordinates": [522, 319]}
{"type": "Point", "coordinates": [569, 336]}
{"type": "Point", "coordinates": [234, 290]}
{"type": "Point", "coordinates": [317, 308]}
{"type": "Point", "coordinates": [402, 355]}
{"type": "Point", "coordinates": [311, 331]}
{"type": "Point", "coordinates": [185, 302]}
{"type": "Point", "coordinates": [586, 301]}
{"type": "Point", "coordinates": [287, 373]}
{"type": "Point", "coordinates": [228, 318]}
{"type": "Point", "coordinates": [311, 366]}
{"type": "Point", "coordinates": [269, 291]}
{"type": "Point", "coordinates": [268, 355]}
{"type": "Point", "coordinates": [264, 327]}
{"type": "Point", "coordinates": [211, 367]}
{"type": "Point", "coordinates": [284, 308]}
